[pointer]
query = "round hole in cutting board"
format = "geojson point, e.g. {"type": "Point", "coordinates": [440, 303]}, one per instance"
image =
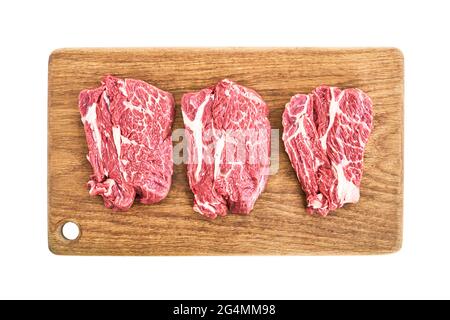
{"type": "Point", "coordinates": [70, 230]}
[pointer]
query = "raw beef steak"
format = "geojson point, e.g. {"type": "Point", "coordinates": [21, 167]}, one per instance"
{"type": "Point", "coordinates": [228, 138]}
{"type": "Point", "coordinates": [128, 133]}
{"type": "Point", "coordinates": [325, 134]}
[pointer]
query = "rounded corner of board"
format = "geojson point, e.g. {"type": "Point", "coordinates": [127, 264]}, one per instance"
{"type": "Point", "coordinates": [54, 54]}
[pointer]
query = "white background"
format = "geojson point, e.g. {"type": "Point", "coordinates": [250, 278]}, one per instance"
{"type": "Point", "coordinates": [29, 31]}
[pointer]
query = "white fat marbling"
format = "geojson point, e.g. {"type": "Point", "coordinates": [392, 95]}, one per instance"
{"type": "Point", "coordinates": [196, 126]}
{"type": "Point", "coordinates": [204, 205]}
{"type": "Point", "coordinates": [91, 119]}
{"type": "Point", "coordinates": [299, 120]}
{"type": "Point", "coordinates": [122, 88]}
{"type": "Point", "coordinates": [332, 111]}
{"type": "Point", "coordinates": [117, 138]}
{"type": "Point", "coordinates": [346, 190]}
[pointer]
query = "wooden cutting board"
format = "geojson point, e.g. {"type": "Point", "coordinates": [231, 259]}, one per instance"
{"type": "Point", "coordinates": [278, 224]}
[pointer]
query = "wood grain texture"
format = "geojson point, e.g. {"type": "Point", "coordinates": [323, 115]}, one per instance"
{"type": "Point", "coordinates": [278, 224]}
